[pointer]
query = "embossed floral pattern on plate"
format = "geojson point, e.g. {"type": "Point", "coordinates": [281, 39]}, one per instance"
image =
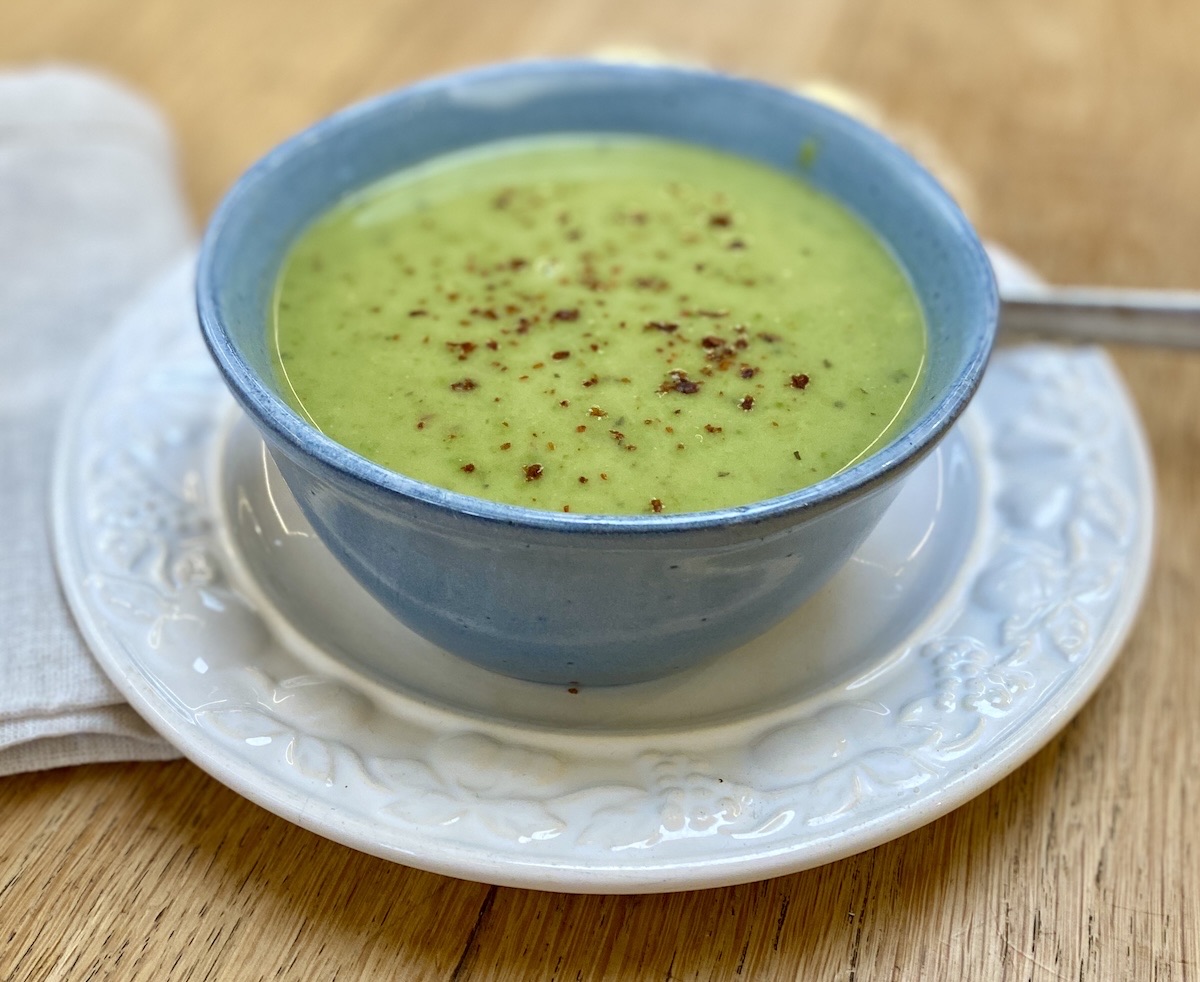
{"type": "Point", "coordinates": [829, 735]}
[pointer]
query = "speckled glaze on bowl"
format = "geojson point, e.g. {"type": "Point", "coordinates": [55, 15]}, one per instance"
{"type": "Point", "coordinates": [582, 599]}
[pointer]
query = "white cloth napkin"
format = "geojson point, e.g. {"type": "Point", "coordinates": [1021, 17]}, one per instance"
{"type": "Point", "coordinates": [90, 212]}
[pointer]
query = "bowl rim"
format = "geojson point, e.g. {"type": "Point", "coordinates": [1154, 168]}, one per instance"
{"type": "Point", "coordinates": [302, 438]}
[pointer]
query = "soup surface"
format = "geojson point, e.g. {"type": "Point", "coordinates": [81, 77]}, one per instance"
{"type": "Point", "coordinates": [599, 324]}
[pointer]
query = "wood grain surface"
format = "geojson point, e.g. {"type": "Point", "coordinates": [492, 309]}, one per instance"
{"type": "Point", "coordinates": [1075, 127]}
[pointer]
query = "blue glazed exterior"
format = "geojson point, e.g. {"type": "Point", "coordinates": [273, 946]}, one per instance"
{"type": "Point", "coordinates": [575, 598]}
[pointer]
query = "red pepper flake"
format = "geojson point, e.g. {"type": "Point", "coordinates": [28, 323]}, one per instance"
{"type": "Point", "coordinates": [493, 345]}
{"type": "Point", "coordinates": [747, 403]}
{"type": "Point", "coordinates": [800, 381]}
{"type": "Point", "coordinates": [666, 326]}
{"type": "Point", "coordinates": [418, 313]}
{"type": "Point", "coordinates": [549, 444]}
{"type": "Point", "coordinates": [603, 476]}
{"type": "Point", "coordinates": [560, 355]}
{"type": "Point", "coordinates": [505, 446]}
{"type": "Point", "coordinates": [523, 325]}
{"type": "Point", "coordinates": [574, 690]}
{"type": "Point", "coordinates": [565, 315]}
{"type": "Point", "coordinates": [582, 479]}
{"type": "Point", "coordinates": [617, 435]}
{"type": "Point", "coordinates": [656, 505]}
{"type": "Point", "coordinates": [566, 507]}
{"type": "Point", "coordinates": [721, 220]}
{"type": "Point", "coordinates": [712, 341]}
{"type": "Point", "coordinates": [468, 468]}
{"type": "Point", "coordinates": [463, 348]}
{"type": "Point", "coordinates": [464, 385]}
{"type": "Point", "coordinates": [589, 382]}
{"type": "Point", "coordinates": [713, 429]}
{"type": "Point", "coordinates": [580, 428]}
{"type": "Point", "coordinates": [517, 263]}
{"type": "Point", "coordinates": [533, 471]}
{"type": "Point", "coordinates": [597, 412]}
{"type": "Point", "coordinates": [486, 312]}
{"type": "Point", "coordinates": [655, 284]}
{"type": "Point", "coordinates": [749, 371]}
{"type": "Point", "coordinates": [564, 403]}
{"type": "Point", "coordinates": [539, 364]}
{"type": "Point", "coordinates": [678, 381]}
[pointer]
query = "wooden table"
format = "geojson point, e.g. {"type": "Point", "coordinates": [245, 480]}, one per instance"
{"type": "Point", "coordinates": [1076, 126]}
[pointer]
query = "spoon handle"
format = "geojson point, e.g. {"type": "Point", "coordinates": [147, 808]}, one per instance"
{"type": "Point", "coordinates": [1166, 318]}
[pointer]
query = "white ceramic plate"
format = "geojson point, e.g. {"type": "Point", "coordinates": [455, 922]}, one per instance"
{"type": "Point", "coordinates": [970, 627]}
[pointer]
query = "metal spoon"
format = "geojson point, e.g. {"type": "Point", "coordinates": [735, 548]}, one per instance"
{"type": "Point", "coordinates": [1164, 318]}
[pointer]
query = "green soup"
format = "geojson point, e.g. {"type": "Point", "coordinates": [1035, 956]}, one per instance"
{"type": "Point", "coordinates": [606, 325]}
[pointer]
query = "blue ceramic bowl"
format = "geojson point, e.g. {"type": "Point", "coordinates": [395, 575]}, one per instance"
{"type": "Point", "coordinates": [581, 599]}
